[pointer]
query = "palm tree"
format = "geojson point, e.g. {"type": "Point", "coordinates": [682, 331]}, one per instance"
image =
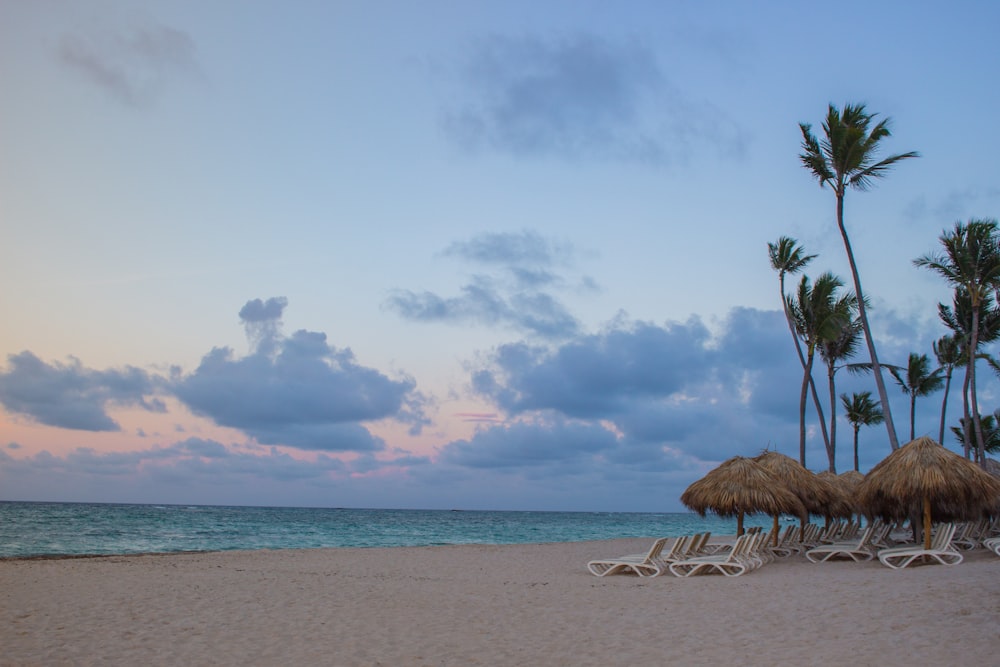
{"type": "Point", "coordinates": [918, 380]}
{"type": "Point", "coordinates": [958, 318]}
{"type": "Point", "coordinates": [970, 260]}
{"type": "Point", "coordinates": [814, 312]}
{"type": "Point", "coordinates": [991, 431]}
{"type": "Point", "coordinates": [948, 351]}
{"type": "Point", "coordinates": [788, 257]}
{"type": "Point", "coordinates": [846, 158]}
{"type": "Point", "coordinates": [860, 410]}
{"type": "Point", "coordinates": [841, 346]}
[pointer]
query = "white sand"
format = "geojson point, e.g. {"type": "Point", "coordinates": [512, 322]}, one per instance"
{"type": "Point", "coordinates": [489, 605]}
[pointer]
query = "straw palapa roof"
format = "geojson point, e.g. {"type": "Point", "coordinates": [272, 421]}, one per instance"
{"type": "Point", "coordinates": [923, 472]}
{"type": "Point", "coordinates": [818, 495]}
{"type": "Point", "coordinates": [843, 506]}
{"type": "Point", "coordinates": [741, 486]}
{"type": "Point", "coordinates": [851, 478]}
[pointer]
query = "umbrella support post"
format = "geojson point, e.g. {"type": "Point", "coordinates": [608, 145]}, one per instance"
{"type": "Point", "coordinates": [927, 522]}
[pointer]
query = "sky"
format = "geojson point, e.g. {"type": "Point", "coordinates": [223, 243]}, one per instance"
{"type": "Point", "coordinates": [452, 254]}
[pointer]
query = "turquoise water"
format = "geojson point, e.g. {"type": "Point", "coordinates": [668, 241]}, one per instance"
{"type": "Point", "coordinates": [50, 529]}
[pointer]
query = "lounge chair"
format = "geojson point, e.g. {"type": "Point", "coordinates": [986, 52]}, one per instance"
{"type": "Point", "coordinates": [859, 549]}
{"type": "Point", "coordinates": [789, 543]}
{"type": "Point", "coordinates": [971, 534]}
{"type": "Point", "coordinates": [731, 564]}
{"type": "Point", "coordinates": [993, 544]}
{"type": "Point", "coordinates": [645, 565]}
{"type": "Point", "coordinates": [941, 550]}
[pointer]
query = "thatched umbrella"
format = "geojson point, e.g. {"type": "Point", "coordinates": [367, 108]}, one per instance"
{"type": "Point", "coordinates": [818, 496]}
{"type": "Point", "coordinates": [741, 486]}
{"type": "Point", "coordinates": [924, 477]}
{"type": "Point", "coordinates": [851, 478]}
{"type": "Point", "coordinates": [842, 506]}
{"type": "Point", "coordinates": [849, 482]}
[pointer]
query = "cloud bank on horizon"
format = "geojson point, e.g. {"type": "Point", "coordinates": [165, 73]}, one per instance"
{"type": "Point", "coordinates": [525, 260]}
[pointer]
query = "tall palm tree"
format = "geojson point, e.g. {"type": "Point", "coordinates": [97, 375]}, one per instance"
{"type": "Point", "coordinates": [788, 257]}
{"type": "Point", "coordinates": [845, 158]}
{"type": "Point", "coordinates": [917, 379]}
{"type": "Point", "coordinates": [948, 352]}
{"type": "Point", "coordinates": [841, 346]}
{"type": "Point", "coordinates": [813, 310]}
{"type": "Point", "coordinates": [971, 260]}
{"type": "Point", "coordinates": [860, 410]}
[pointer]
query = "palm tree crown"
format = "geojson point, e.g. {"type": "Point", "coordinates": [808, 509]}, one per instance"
{"type": "Point", "coordinates": [917, 379]}
{"type": "Point", "coordinates": [846, 156]}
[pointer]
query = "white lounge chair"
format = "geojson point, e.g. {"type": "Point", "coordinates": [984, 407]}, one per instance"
{"type": "Point", "coordinates": [993, 544]}
{"type": "Point", "coordinates": [858, 550]}
{"type": "Point", "coordinates": [789, 543]}
{"type": "Point", "coordinates": [941, 550]}
{"type": "Point", "coordinates": [645, 565]}
{"type": "Point", "coordinates": [731, 564]}
{"type": "Point", "coordinates": [971, 534]}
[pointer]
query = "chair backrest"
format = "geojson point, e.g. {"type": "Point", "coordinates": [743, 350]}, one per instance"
{"type": "Point", "coordinates": [867, 535]}
{"type": "Point", "coordinates": [881, 533]}
{"type": "Point", "coordinates": [696, 544]}
{"type": "Point", "coordinates": [678, 548]}
{"type": "Point", "coordinates": [741, 547]}
{"type": "Point", "coordinates": [656, 549]}
{"type": "Point", "coordinates": [942, 538]}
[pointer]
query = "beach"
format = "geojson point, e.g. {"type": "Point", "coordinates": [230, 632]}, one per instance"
{"type": "Point", "coordinates": [533, 604]}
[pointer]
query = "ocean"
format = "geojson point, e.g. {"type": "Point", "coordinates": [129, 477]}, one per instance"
{"type": "Point", "coordinates": [74, 529]}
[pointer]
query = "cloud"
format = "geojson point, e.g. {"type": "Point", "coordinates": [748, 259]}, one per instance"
{"type": "Point", "coordinates": [198, 471]}
{"type": "Point", "coordinates": [71, 396]}
{"type": "Point", "coordinates": [582, 97]}
{"type": "Point", "coordinates": [262, 322]}
{"type": "Point", "coordinates": [527, 250]}
{"type": "Point", "coordinates": [529, 444]}
{"type": "Point", "coordinates": [519, 295]}
{"type": "Point", "coordinates": [955, 205]}
{"type": "Point", "coordinates": [133, 68]}
{"type": "Point", "coordinates": [596, 376]}
{"type": "Point", "coordinates": [669, 393]}
{"type": "Point", "coordinates": [297, 391]}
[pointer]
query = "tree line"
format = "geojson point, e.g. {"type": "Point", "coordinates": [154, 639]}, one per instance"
{"type": "Point", "coordinates": [832, 322]}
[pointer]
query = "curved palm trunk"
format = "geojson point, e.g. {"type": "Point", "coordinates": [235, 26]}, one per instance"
{"type": "Point", "coordinates": [819, 411]}
{"type": "Point", "coordinates": [967, 419]}
{"type": "Point", "coordinates": [976, 424]}
{"type": "Point", "coordinates": [944, 403]}
{"type": "Point", "coordinates": [807, 381]}
{"type": "Point", "coordinates": [831, 445]}
{"type": "Point", "coordinates": [857, 464]}
{"type": "Point", "coordinates": [802, 416]}
{"type": "Point", "coordinates": [812, 385]}
{"type": "Point", "coordinates": [973, 348]}
{"type": "Point", "coordinates": [863, 314]}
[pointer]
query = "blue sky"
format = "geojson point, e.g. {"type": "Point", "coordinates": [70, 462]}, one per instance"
{"type": "Point", "coordinates": [452, 254]}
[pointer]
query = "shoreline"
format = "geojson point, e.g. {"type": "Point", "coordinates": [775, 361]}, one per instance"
{"type": "Point", "coordinates": [489, 605]}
